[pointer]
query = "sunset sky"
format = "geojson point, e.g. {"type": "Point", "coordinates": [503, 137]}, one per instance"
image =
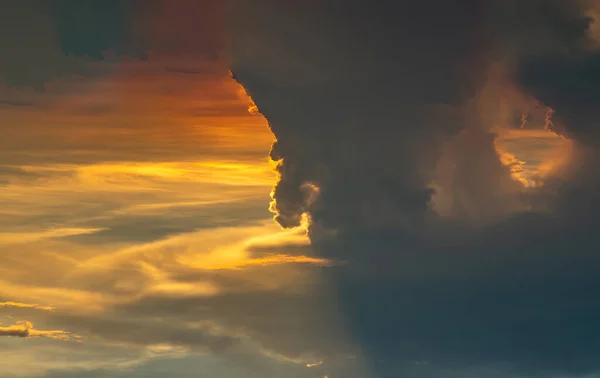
{"type": "Point", "coordinates": [315, 189]}
{"type": "Point", "coordinates": [136, 234]}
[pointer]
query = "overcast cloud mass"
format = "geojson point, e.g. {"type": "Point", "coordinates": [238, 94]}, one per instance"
{"type": "Point", "coordinates": [397, 112]}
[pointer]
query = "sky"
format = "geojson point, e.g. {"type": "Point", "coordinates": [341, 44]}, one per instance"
{"type": "Point", "coordinates": [315, 189]}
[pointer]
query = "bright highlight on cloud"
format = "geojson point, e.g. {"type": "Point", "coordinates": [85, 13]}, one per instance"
{"type": "Point", "coordinates": [25, 329]}
{"type": "Point", "coordinates": [26, 305]}
{"type": "Point", "coordinates": [532, 155]}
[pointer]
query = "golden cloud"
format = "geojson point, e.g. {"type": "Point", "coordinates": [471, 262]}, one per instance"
{"type": "Point", "coordinates": [26, 305]}
{"type": "Point", "coordinates": [25, 329]}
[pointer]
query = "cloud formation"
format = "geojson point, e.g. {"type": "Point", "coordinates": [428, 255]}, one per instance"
{"type": "Point", "coordinates": [363, 134]}
{"type": "Point", "coordinates": [398, 113]}
{"type": "Point", "coordinates": [392, 122]}
{"type": "Point", "coordinates": [25, 329]}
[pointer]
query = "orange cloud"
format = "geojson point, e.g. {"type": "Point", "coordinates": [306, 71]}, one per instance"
{"type": "Point", "coordinates": [273, 260]}
{"type": "Point", "coordinates": [26, 305]}
{"type": "Point", "coordinates": [532, 154]}
{"type": "Point", "coordinates": [527, 141]}
{"type": "Point", "coordinates": [25, 329]}
{"type": "Point", "coordinates": [167, 108]}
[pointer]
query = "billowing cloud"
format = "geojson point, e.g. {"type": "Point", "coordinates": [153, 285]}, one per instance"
{"type": "Point", "coordinates": [417, 123]}
{"type": "Point", "coordinates": [363, 134]}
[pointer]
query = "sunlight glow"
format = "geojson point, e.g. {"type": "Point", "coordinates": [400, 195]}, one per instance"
{"type": "Point", "coordinates": [532, 154]}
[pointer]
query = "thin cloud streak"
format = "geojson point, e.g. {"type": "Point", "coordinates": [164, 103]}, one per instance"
{"type": "Point", "coordinates": [26, 305]}
{"type": "Point", "coordinates": [24, 329]}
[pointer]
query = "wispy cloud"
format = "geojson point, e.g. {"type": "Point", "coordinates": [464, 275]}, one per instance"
{"type": "Point", "coordinates": [274, 260]}
{"type": "Point", "coordinates": [26, 237]}
{"type": "Point", "coordinates": [25, 329]}
{"type": "Point", "coordinates": [26, 305]}
{"type": "Point", "coordinates": [135, 214]}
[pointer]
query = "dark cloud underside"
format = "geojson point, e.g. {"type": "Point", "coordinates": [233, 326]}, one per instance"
{"type": "Point", "coordinates": [362, 98]}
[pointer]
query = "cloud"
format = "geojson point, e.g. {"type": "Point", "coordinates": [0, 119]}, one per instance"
{"type": "Point", "coordinates": [360, 133]}
{"type": "Point", "coordinates": [191, 366]}
{"type": "Point", "coordinates": [16, 103]}
{"type": "Point", "coordinates": [25, 237]}
{"type": "Point", "coordinates": [25, 329]}
{"type": "Point", "coordinates": [450, 259]}
{"type": "Point", "coordinates": [389, 120]}
{"type": "Point", "coordinates": [193, 117]}
{"type": "Point", "coordinates": [130, 201]}
{"type": "Point", "coordinates": [232, 293]}
{"type": "Point", "coordinates": [36, 357]}
{"type": "Point", "coordinates": [275, 259]}
{"type": "Point", "coordinates": [66, 34]}
{"type": "Point", "coordinates": [554, 75]}
{"type": "Point", "coordinates": [26, 305]}
{"type": "Point", "coordinates": [21, 67]}
{"type": "Point", "coordinates": [128, 186]}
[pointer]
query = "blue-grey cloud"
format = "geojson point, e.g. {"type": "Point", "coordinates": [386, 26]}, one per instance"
{"type": "Point", "coordinates": [361, 100]}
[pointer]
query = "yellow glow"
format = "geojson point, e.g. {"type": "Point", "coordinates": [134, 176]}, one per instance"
{"type": "Point", "coordinates": [184, 288]}
{"type": "Point", "coordinates": [273, 260]}
{"type": "Point", "coordinates": [226, 173]}
{"type": "Point", "coordinates": [60, 298]}
{"type": "Point", "coordinates": [25, 329]}
{"type": "Point", "coordinates": [113, 203]}
{"type": "Point", "coordinates": [275, 164]}
{"type": "Point", "coordinates": [140, 111]}
{"type": "Point", "coordinates": [245, 97]}
{"type": "Point", "coordinates": [532, 154]}
{"type": "Point", "coordinates": [315, 364]}
{"type": "Point", "coordinates": [236, 254]}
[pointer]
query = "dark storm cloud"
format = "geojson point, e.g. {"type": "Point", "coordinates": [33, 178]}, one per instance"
{"type": "Point", "coordinates": [361, 98]}
{"type": "Point", "coordinates": [564, 78]}
{"type": "Point", "coordinates": [43, 40]}
{"type": "Point", "coordinates": [568, 83]}
{"type": "Point", "coordinates": [362, 113]}
{"type": "Point", "coordinates": [90, 28]}
{"type": "Point", "coordinates": [521, 293]}
{"type": "Point", "coordinates": [538, 25]}
{"type": "Point", "coordinates": [558, 60]}
{"type": "Point", "coordinates": [30, 51]}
